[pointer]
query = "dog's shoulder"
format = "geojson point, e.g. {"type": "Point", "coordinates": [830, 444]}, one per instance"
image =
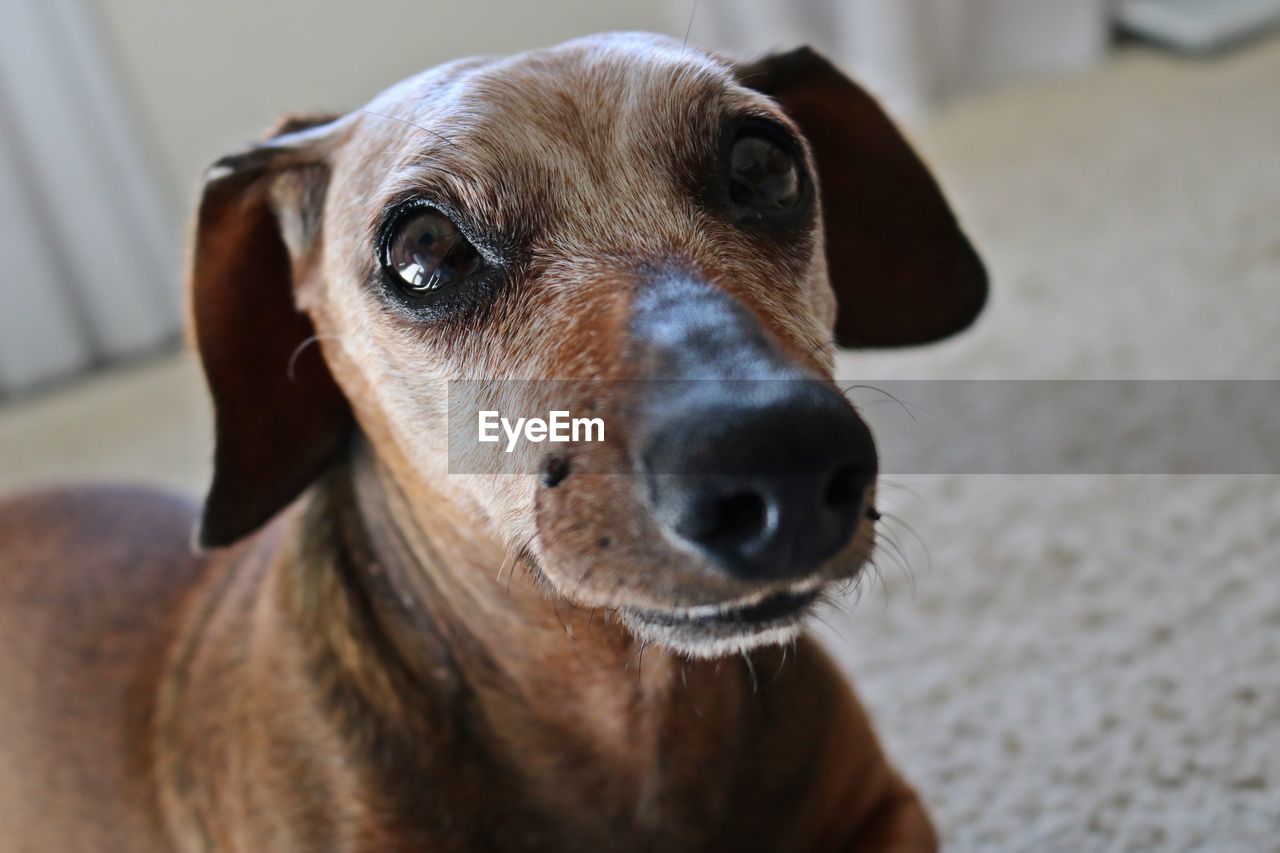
{"type": "Point", "coordinates": [93, 546]}
{"type": "Point", "coordinates": [91, 584]}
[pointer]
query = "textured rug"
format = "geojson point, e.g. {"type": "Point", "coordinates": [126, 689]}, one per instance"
{"type": "Point", "coordinates": [1093, 662]}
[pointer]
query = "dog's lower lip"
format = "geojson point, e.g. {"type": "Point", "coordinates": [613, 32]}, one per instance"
{"type": "Point", "coordinates": [783, 606]}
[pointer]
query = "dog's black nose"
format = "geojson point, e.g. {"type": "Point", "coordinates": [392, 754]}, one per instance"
{"type": "Point", "coordinates": [764, 477]}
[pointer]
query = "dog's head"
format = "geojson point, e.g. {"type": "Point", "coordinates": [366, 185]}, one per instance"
{"type": "Point", "coordinates": [619, 208]}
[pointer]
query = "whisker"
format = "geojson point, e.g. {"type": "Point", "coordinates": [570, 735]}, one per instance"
{"type": "Point", "coordinates": [751, 668]}
{"type": "Point", "coordinates": [904, 406]}
{"type": "Point", "coordinates": [639, 659]}
{"type": "Point", "coordinates": [902, 558]}
{"type": "Point", "coordinates": [688, 29]}
{"type": "Point", "coordinates": [502, 567]}
{"type": "Point", "coordinates": [899, 557]}
{"type": "Point", "coordinates": [523, 556]}
{"type": "Point", "coordinates": [858, 585]}
{"type": "Point", "coordinates": [555, 608]}
{"type": "Point", "coordinates": [924, 546]}
{"type": "Point", "coordinates": [509, 561]}
{"type": "Point", "coordinates": [887, 539]}
{"type": "Point", "coordinates": [841, 632]}
{"type": "Point", "coordinates": [876, 580]}
{"type": "Point", "coordinates": [439, 136]}
{"type": "Point", "coordinates": [882, 483]}
{"type": "Point", "coordinates": [781, 664]}
{"type": "Point", "coordinates": [290, 370]}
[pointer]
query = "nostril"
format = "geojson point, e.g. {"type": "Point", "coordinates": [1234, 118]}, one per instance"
{"type": "Point", "coordinates": [736, 518]}
{"type": "Point", "coordinates": [844, 488]}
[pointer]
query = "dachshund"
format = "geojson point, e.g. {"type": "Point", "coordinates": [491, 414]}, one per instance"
{"type": "Point", "coordinates": [386, 638]}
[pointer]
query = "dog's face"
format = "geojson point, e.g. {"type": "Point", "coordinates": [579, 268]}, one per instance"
{"type": "Point", "coordinates": [619, 209]}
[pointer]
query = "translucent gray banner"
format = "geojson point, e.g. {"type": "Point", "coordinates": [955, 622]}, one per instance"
{"type": "Point", "coordinates": [920, 426]}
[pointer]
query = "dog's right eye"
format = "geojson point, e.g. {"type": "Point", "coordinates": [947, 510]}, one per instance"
{"type": "Point", "coordinates": [425, 252]}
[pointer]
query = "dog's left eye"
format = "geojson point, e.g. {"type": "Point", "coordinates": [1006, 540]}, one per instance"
{"type": "Point", "coordinates": [764, 175]}
{"type": "Point", "coordinates": [426, 252]}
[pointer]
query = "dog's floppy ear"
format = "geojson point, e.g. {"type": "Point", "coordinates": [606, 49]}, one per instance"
{"type": "Point", "coordinates": [279, 416]}
{"type": "Point", "coordinates": [903, 271]}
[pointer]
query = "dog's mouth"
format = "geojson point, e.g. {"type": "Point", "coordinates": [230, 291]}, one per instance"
{"type": "Point", "coordinates": [715, 630]}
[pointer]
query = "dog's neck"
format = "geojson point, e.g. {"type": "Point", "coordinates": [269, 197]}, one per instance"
{"type": "Point", "coordinates": [435, 632]}
{"type": "Point", "coordinates": [437, 586]}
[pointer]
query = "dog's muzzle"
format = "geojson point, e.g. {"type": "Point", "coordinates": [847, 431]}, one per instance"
{"type": "Point", "coordinates": [756, 464]}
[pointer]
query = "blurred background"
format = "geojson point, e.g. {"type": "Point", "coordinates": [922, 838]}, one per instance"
{"type": "Point", "coordinates": [1059, 662]}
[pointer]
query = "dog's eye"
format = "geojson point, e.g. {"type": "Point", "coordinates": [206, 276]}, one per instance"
{"type": "Point", "coordinates": [426, 252]}
{"type": "Point", "coordinates": [763, 174]}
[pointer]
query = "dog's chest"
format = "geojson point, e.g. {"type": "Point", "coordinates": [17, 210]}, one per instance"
{"type": "Point", "coordinates": [676, 783]}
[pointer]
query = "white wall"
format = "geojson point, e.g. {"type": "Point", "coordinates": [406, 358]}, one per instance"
{"type": "Point", "coordinates": [209, 76]}
{"type": "Point", "coordinates": [89, 251]}
{"type": "Point", "coordinates": [915, 55]}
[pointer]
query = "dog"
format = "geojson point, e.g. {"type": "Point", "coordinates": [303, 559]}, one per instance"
{"type": "Point", "coordinates": [603, 651]}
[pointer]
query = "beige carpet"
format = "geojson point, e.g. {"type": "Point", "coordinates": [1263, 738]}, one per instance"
{"type": "Point", "coordinates": [1082, 663]}
{"type": "Point", "coordinates": [1093, 662]}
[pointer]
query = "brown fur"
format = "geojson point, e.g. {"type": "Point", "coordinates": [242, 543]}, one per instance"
{"type": "Point", "coordinates": [406, 659]}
